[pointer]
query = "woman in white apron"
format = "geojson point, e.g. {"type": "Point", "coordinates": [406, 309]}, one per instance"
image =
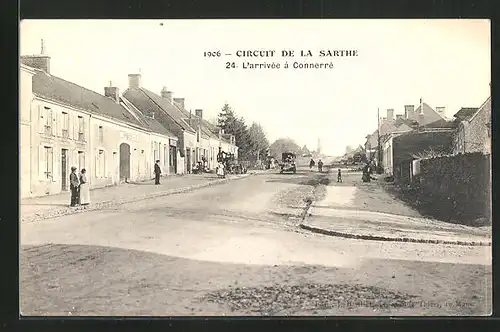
{"type": "Point", "coordinates": [84, 188]}
{"type": "Point", "coordinates": [220, 170]}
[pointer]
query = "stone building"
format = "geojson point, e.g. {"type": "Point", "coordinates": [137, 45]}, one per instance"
{"type": "Point", "coordinates": [70, 125]}
{"type": "Point", "coordinates": [474, 129]}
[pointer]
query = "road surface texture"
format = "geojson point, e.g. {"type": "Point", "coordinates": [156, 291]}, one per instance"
{"type": "Point", "coordinates": [237, 249]}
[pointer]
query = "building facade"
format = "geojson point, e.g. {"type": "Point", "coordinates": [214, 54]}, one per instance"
{"type": "Point", "coordinates": [65, 125]}
{"type": "Point", "coordinates": [197, 137]}
{"type": "Point", "coordinates": [474, 130]}
{"type": "Point", "coordinates": [25, 99]}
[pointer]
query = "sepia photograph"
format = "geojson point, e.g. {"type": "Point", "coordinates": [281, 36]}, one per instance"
{"type": "Point", "coordinates": [255, 167]}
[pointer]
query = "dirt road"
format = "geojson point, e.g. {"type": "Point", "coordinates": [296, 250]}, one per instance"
{"type": "Point", "coordinates": [235, 249]}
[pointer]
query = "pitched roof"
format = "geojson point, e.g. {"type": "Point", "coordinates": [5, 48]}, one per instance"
{"type": "Point", "coordinates": [151, 123]}
{"type": "Point", "coordinates": [207, 129]}
{"type": "Point", "coordinates": [429, 115]}
{"type": "Point", "coordinates": [71, 94]}
{"type": "Point", "coordinates": [147, 101]}
{"type": "Point", "coordinates": [442, 123]}
{"type": "Point", "coordinates": [388, 127]}
{"type": "Point", "coordinates": [486, 106]}
{"type": "Point", "coordinates": [465, 113]}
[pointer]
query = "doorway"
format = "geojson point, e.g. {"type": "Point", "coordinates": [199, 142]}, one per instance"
{"type": "Point", "coordinates": [188, 160]}
{"type": "Point", "coordinates": [64, 169]}
{"type": "Point", "coordinates": [172, 156]}
{"type": "Point", "coordinates": [124, 162]}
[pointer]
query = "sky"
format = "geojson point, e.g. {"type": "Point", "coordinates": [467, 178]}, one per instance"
{"type": "Point", "coordinates": [447, 63]}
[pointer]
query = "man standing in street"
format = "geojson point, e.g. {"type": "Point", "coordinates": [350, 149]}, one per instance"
{"type": "Point", "coordinates": [339, 176]}
{"type": "Point", "coordinates": [74, 186]}
{"type": "Point", "coordinates": [157, 172]}
{"type": "Point", "coordinates": [311, 164]}
{"type": "Point", "coordinates": [320, 166]}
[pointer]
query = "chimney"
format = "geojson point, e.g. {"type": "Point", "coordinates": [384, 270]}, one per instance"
{"type": "Point", "coordinates": [112, 92]}
{"type": "Point", "coordinates": [40, 61]}
{"type": "Point", "coordinates": [440, 111]}
{"type": "Point", "coordinates": [199, 113]}
{"type": "Point", "coordinates": [166, 94]}
{"type": "Point", "coordinates": [134, 81]}
{"type": "Point", "coordinates": [409, 110]}
{"type": "Point", "coordinates": [390, 114]}
{"type": "Point", "coordinates": [179, 101]}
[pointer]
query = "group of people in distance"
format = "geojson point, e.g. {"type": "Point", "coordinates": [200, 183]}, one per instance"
{"type": "Point", "coordinates": [312, 163]}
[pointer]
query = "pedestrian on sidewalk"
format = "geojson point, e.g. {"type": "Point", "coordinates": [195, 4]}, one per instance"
{"type": "Point", "coordinates": [84, 188]}
{"type": "Point", "coordinates": [320, 166]}
{"type": "Point", "coordinates": [339, 176]}
{"type": "Point", "coordinates": [74, 186]}
{"type": "Point", "coordinates": [157, 172]}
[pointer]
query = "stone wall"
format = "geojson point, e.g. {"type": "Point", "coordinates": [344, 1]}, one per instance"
{"type": "Point", "coordinates": [455, 188]}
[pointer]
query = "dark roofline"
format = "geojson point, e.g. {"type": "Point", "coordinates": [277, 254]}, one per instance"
{"type": "Point", "coordinates": [483, 105]}
{"type": "Point", "coordinates": [92, 112]}
{"type": "Point", "coordinates": [189, 129]}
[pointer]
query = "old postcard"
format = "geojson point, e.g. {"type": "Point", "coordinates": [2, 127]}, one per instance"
{"type": "Point", "coordinates": [255, 168]}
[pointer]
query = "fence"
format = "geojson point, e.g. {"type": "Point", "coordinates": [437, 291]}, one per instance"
{"type": "Point", "coordinates": [455, 187]}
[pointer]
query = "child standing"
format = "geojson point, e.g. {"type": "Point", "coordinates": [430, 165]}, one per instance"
{"type": "Point", "coordinates": [339, 176]}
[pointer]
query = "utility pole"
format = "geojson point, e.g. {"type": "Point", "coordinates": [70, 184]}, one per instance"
{"type": "Point", "coordinates": [379, 151]}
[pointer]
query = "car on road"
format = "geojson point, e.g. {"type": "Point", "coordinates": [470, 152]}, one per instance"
{"type": "Point", "coordinates": [288, 162]}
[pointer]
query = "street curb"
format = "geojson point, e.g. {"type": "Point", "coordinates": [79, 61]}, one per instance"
{"type": "Point", "coordinates": [100, 205]}
{"type": "Point", "coordinates": [390, 239]}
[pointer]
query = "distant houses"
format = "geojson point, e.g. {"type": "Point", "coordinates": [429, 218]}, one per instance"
{"type": "Point", "coordinates": [425, 132]}
{"type": "Point", "coordinates": [115, 137]}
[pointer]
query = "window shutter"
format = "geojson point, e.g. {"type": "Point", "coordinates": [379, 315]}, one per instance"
{"type": "Point", "coordinates": [58, 123]}
{"type": "Point", "coordinates": [97, 164]}
{"type": "Point", "coordinates": [41, 120]}
{"type": "Point", "coordinates": [41, 162]}
{"type": "Point", "coordinates": [70, 125]}
{"type": "Point", "coordinates": [105, 165]}
{"type": "Point", "coordinates": [75, 126]}
{"type": "Point", "coordinates": [50, 162]}
{"type": "Point", "coordinates": [55, 164]}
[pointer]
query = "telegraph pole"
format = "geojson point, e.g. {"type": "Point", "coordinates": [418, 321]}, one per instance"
{"type": "Point", "coordinates": [379, 151]}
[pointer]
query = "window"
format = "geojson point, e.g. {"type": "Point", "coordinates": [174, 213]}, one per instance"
{"type": "Point", "coordinates": [81, 160]}
{"type": "Point", "coordinates": [81, 128]}
{"type": "Point", "coordinates": [101, 134]}
{"type": "Point", "coordinates": [65, 125]}
{"type": "Point", "coordinates": [48, 162]}
{"type": "Point", "coordinates": [48, 121]}
{"type": "Point", "coordinates": [100, 170]}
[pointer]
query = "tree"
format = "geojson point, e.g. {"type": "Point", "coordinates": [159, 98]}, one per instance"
{"type": "Point", "coordinates": [282, 145]}
{"type": "Point", "coordinates": [234, 125]}
{"type": "Point", "coordinates": [225, 117]}
{"type": "Point", "coordinates": [258, 143]}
